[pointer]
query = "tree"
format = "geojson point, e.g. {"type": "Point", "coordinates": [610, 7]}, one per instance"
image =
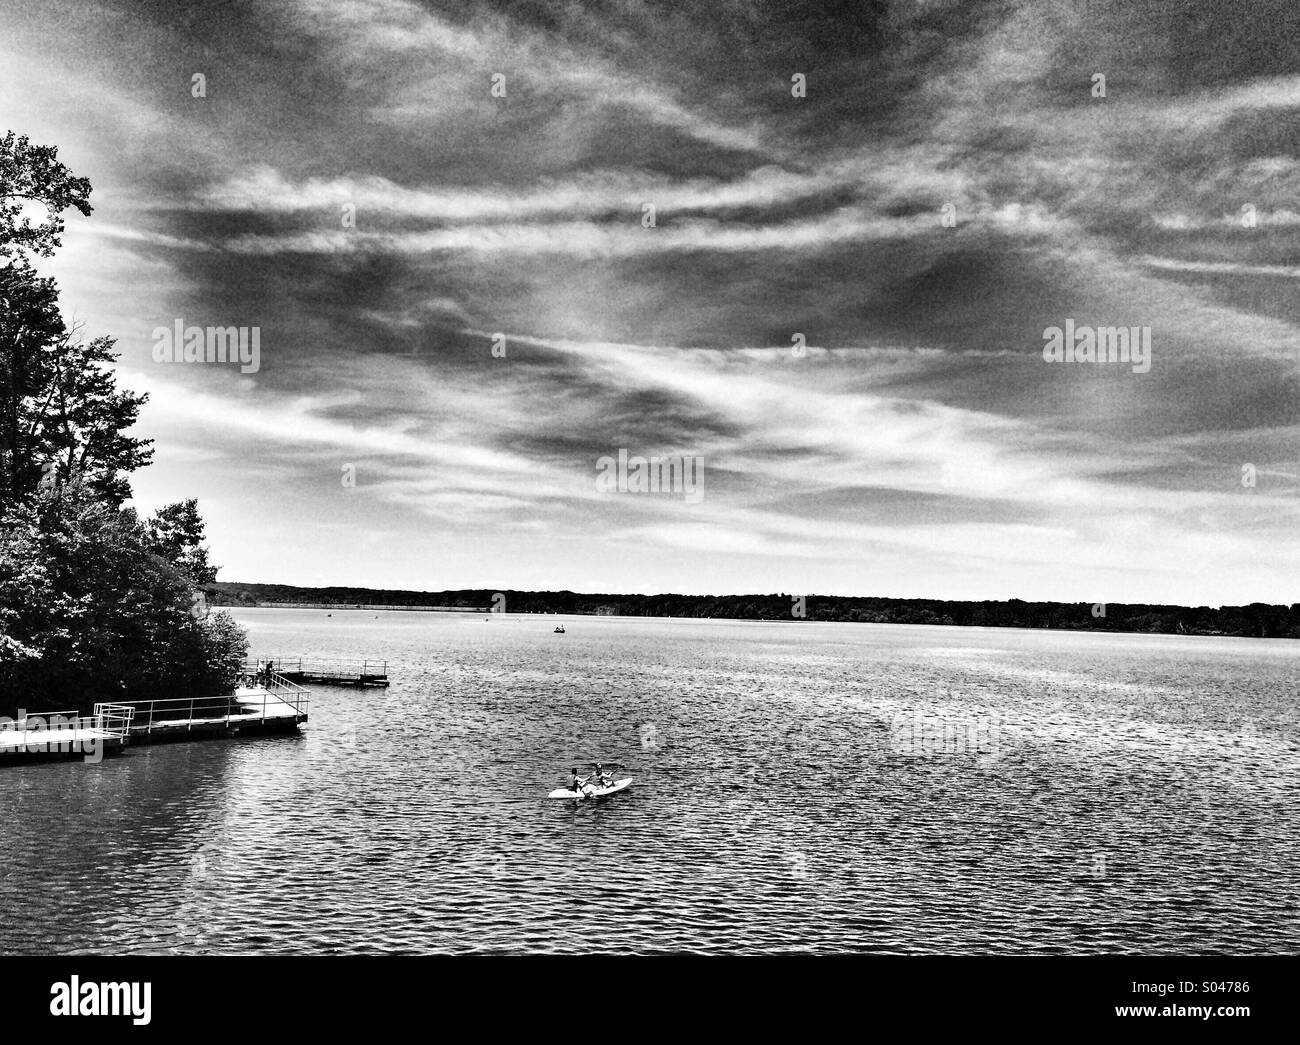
{"type": "Point", "coordinates": [94, 603]}
{"type": "Point", "coordinates": [30, 325]}
{"type": "Point", "coordinates": [92, 610]}
{"type": "Point", "coordinates": [60, 410]}
{"type": "Point", "coordinates": [61, 413]}
{"type": "Point", "coordinates": [31, 174]}
{"type": "Point", "coordinates": [176, 533]}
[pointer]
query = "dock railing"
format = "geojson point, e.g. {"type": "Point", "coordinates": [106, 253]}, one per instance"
{"type": "Point", "coordinates": [60, 730]}
{"type": "Point", "coordinates": [114, 719]}
{"type": "Point", "coordinates": [319, 666]}
{"type": "Point", "coordinates": [192, 711]}
{"type": "Point", "coordinates": [47, 720]}
{"type": "Point", "coordinates": [188, 710]}
{"type": "Point", "coordinates": [288, 692]}
{"type": "Point", "coordinates": [339, 664]}
{"type": "Point", "coordinates": [39, 724]}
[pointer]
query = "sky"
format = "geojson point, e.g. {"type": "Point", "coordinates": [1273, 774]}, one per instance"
{"type": "Point", "coordinates": [866, 215]}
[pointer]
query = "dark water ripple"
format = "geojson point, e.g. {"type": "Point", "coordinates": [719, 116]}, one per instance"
{"type": "Point", "coordinates": [1106, 794]}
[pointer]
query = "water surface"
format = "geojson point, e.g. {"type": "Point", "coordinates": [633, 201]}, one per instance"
{"type": "Point", "coordinates": [799, 787]}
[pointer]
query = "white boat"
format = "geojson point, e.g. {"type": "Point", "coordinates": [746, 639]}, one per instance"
{"type": "Point", "coordinates": [590, 792]}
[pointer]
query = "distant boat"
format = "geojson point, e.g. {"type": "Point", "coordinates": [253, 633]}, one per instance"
{"type": "Point", "coordinates": [560, 630]}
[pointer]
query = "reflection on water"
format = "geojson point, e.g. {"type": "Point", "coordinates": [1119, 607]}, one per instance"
{"type": "Point", "coordinates": [798, 787]}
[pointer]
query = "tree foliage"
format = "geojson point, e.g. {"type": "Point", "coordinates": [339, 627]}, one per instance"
{"type": "Point", "coordinates": [31, 176]}
{"type": "Point", "coordinates": [176, 533]}
{"type": "Point", "coordinates": [61, 413]}
{"type": "Point", "coordinates": [98, 613]}
{"type": "Point", "coordinates": [95, 603]}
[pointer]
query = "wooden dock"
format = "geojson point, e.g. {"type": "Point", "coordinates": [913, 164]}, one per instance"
{"type": "Point", "coordinates": [366, 673]}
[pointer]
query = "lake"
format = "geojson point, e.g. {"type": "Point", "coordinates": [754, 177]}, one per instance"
{"type": "Point", "coordinates": [799, 787]}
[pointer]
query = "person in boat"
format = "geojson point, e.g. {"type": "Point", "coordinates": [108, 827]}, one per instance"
{"type": "Point", "coordinates": [577, 783]}
{"type": "Point", "coordinates": [602, 778]}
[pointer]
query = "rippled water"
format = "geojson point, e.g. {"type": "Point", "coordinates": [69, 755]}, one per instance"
{"type": "Point", "coordinates": [799, 787]}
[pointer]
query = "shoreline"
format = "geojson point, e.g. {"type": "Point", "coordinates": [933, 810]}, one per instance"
{"type": "Point", "coordinates": [555, 614]}
{"type": "Point", "coordinates": [1253, 620]}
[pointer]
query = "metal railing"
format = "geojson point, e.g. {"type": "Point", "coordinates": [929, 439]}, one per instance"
{"type": "Point", "coordinates": [108, 721]}
{"type": "Point", "coordinates": [64, 719]}
{"type": "Point", "coordinates": [319, 666]}
{"type": "Point", "coordinates": [114, 719]}
{"type": "Point", "coordinates": [191, 711]}
{"type": "Point", "coordinates": [274, 698]}
{"type": "Point", "coordinates": [287, 692]}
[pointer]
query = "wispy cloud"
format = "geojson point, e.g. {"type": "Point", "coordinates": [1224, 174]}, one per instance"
{"type": "Point", "coordinates": [839, 308]}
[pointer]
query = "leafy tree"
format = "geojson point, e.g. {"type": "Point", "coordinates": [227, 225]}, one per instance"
{"type": "Point", "coordinates": [93, 611]}
{"type": "Point", "coordinates": [60, 410]}
{"type": "Point", "coordinates": [30, 325]}
{"type": "Point", "coordinates": [31, 174]}
{"type": "Point", "coordinates": [176, 533]}
{"type": "Point", "coordinates": [226, 651]}
{"type": "Point", "coordinates": [61, 413]}
{"type": "Point", "coordinates": [95, 604]}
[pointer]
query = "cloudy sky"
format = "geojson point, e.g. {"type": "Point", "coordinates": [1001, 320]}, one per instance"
{"type": "Point", "coordinates": [919, 446]}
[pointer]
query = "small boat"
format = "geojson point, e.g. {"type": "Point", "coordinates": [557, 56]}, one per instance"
{"type": "Point", "coordinates": [589, 791]}
{"type": "Point", "coordinates": [560, 630]}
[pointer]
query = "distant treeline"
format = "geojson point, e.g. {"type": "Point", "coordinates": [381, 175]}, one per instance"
{"type": "Point", "coordinates": [1257, 620]}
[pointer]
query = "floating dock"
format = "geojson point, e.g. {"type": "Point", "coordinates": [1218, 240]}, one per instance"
{"type": "Point", "coordinates": [367, 673]}
{"type": "Point", "coordinates": [275, 705]}
{"type": "Point", "coordinates": [65, 734]}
